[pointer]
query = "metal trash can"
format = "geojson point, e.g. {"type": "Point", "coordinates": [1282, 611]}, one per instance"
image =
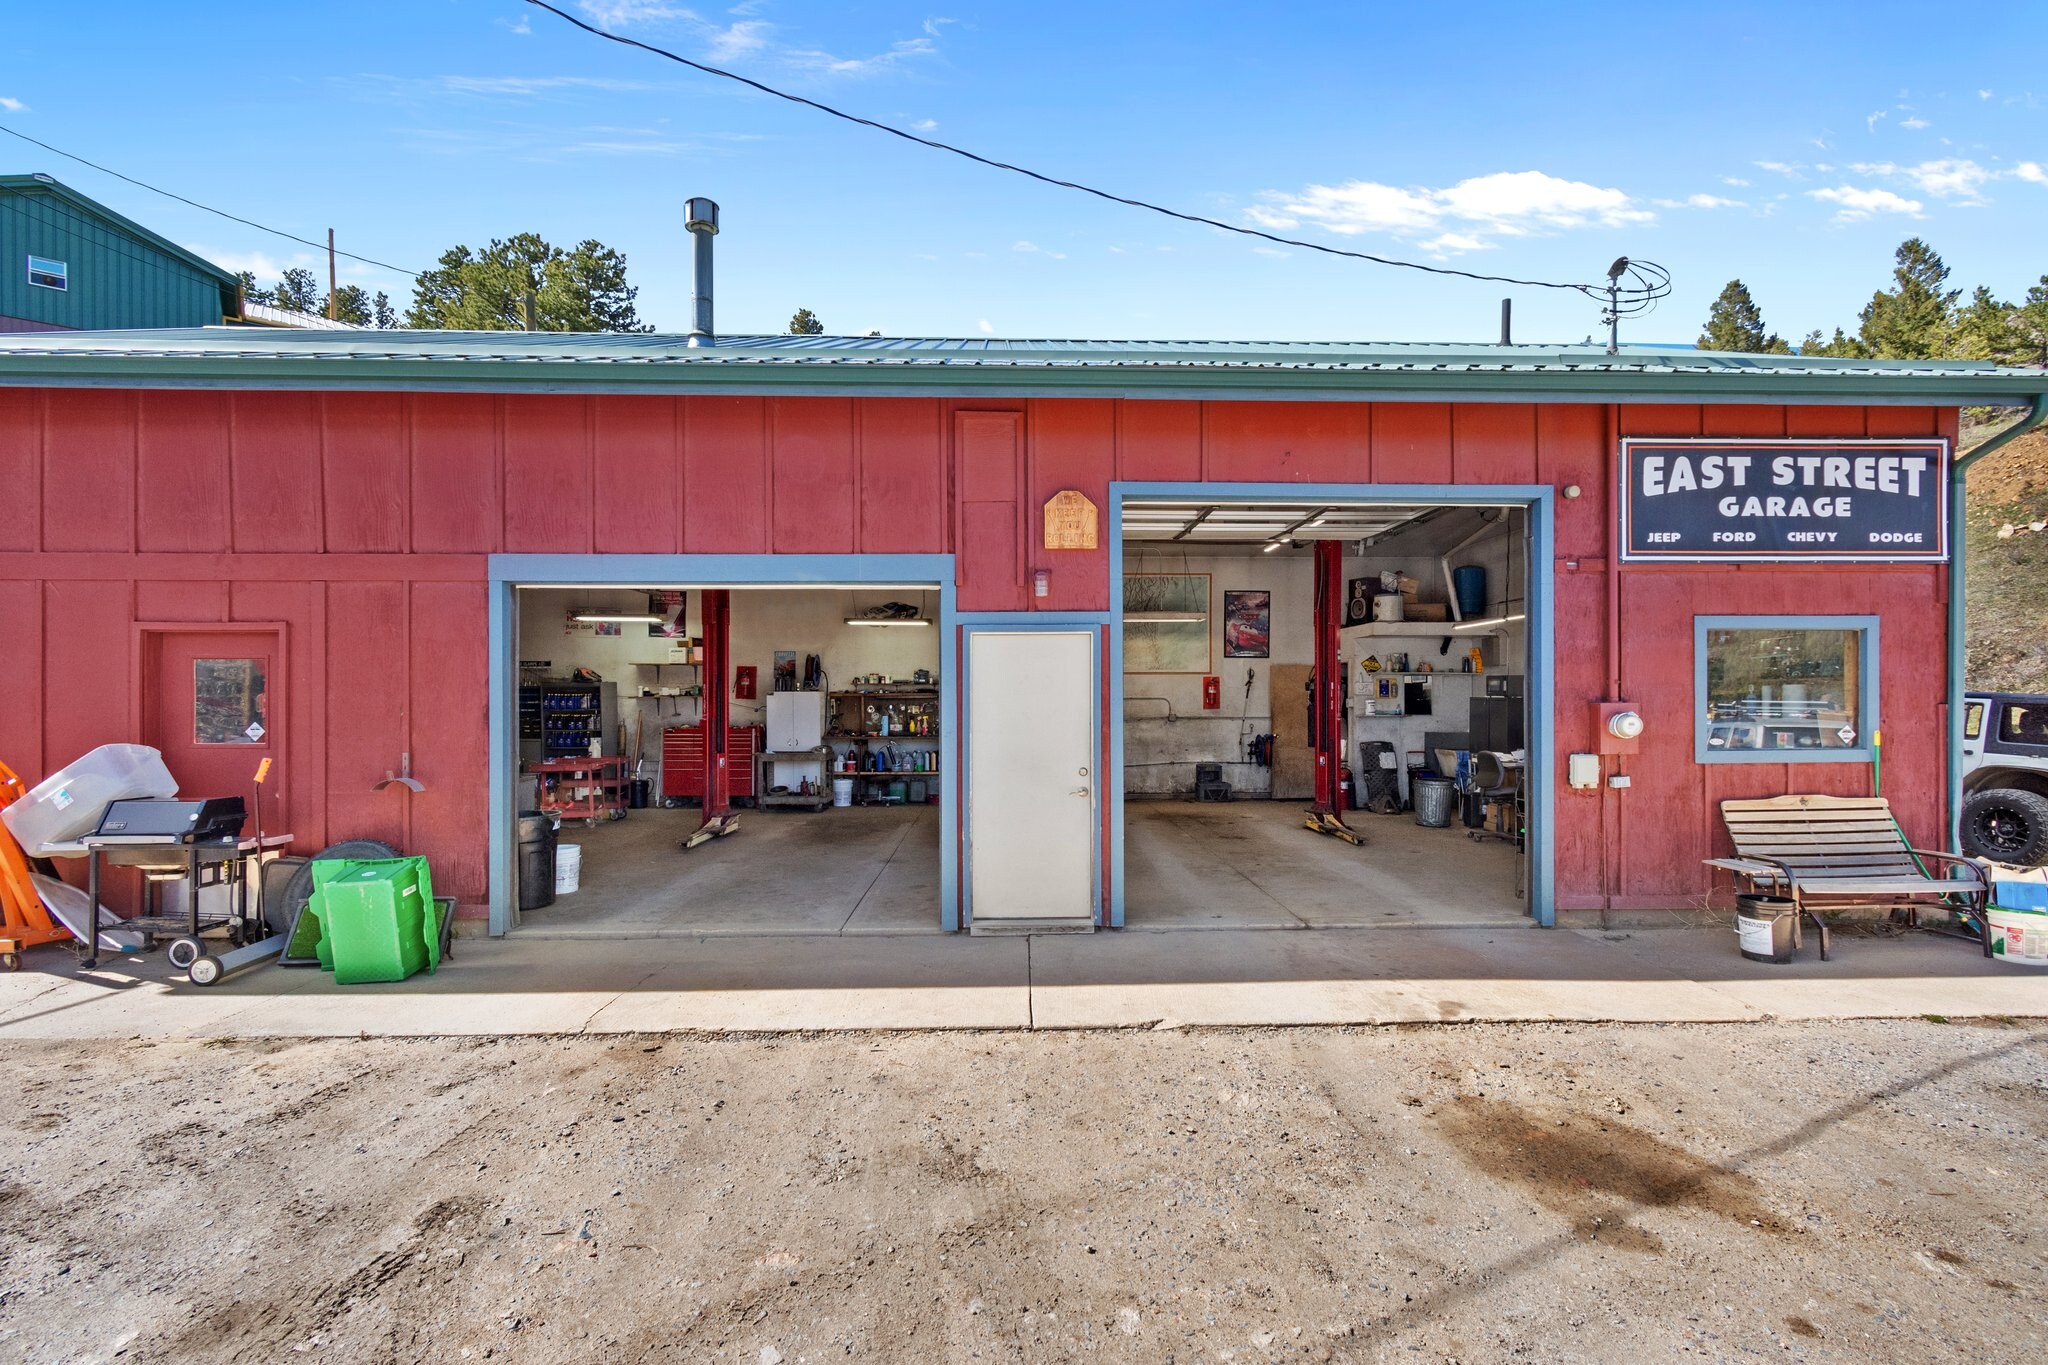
{"type": "Point", "coordinates": [536, 860]}
{"type": "Point", "coordinates": [1435, 797]}
{"type": "Point", "coordinates": [1765, 927]}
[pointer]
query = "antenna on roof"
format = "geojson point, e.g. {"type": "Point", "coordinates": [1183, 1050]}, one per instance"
{"type": "Point", "coordinates": [1632, 287]}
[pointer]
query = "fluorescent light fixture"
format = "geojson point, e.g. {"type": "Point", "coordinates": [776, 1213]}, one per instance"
{"type": "Point", "coordinates": [1165, 618]}
{"type": "Point", "coordinates": [888, 621]}
{"type": "Point", "coordinates": [1269, 547]}
{"type": "Point", "coordinates": [1489, 621]}
{"type": "Point", "coordinates": [621, 618]}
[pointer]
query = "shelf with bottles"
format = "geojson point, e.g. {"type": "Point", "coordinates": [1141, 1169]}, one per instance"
{"type": "Point", "coordinates": [866, 716]}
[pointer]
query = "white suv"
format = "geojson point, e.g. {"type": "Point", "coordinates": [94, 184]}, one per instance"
{"type": "Point", "coordinates": [2005, 777]}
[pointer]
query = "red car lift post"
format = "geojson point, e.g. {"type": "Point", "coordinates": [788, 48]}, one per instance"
{"type": "Point", "coordinates": [719, 818]}
{"type": "Point", "coordinates": [1326, 703]}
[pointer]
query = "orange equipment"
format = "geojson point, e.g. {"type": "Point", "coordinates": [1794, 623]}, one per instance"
{"type": "Point", "coordinates": [24, 921]}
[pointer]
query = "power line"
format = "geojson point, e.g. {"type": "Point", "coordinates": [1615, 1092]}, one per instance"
{"type": "Point", "coordinates": [205, 208]}
{"type": "Point", "coordinates": [934, 144]}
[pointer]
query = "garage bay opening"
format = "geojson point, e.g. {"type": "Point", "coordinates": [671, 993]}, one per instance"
{"type": "Point", "coordinates": [1256, 797]}
{"type": "Point", "coordinates": [710, 760]}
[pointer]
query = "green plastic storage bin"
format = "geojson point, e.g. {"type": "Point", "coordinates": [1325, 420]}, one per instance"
{"type": "Point", "coordinates": [378, 920]}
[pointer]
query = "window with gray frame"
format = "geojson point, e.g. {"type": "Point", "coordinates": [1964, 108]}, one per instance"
{"type": "Point", "coordinates": [1785, 689]}
{"type": "Point", "coordinates": [46, 273]}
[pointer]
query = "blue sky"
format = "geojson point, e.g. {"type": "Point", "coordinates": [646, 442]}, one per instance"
{"type": "Point", "coordinates": [1791, 145]}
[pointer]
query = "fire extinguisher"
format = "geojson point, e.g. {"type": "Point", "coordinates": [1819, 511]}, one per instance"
{"type": "Point", "coordinates": [1347, 791]}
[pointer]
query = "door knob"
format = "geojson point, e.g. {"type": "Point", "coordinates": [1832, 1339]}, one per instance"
{"type": "Point", "coordinates": [1079, 791]}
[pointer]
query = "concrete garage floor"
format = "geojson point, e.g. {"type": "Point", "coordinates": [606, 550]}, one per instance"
{"type": "Point", "coordinates": [860, 870]}
{"type": "Point", "coordinates": [1251, 865]}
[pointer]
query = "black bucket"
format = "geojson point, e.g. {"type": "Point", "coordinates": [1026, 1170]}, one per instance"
{"type": "Point", "coordinates": [536, 860]}
{"type": "Point", "coordinates": [639, 793]}
{"type": "Point", "coordinates": [1764, 927]}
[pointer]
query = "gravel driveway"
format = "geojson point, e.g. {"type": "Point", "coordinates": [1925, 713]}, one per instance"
{"type": "Point", "coordinates": [1866, 1191]}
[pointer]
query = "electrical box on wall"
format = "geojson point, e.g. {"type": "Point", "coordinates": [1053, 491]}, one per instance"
{"type": "Point", "coordinates": [1212, 694]}
{"type": "Point", "coordinates": [1616, 726]}
{"type": "Point", "coordinates": [1582, 771]}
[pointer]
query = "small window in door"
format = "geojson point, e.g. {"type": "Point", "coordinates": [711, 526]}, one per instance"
{"type": "Point", "coordinates": [228, 701]}
{"type": "Point", "coordinates": [1973, 720]}
{"type": "Point", "coordinates": [2024, 723]}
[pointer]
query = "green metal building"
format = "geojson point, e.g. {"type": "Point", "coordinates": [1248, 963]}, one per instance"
{"type": "Point", "coordinates": [68, 263]}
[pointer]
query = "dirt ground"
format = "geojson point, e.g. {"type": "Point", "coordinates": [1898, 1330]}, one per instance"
{"type": "Point", "coordinates": [1833, 1192]}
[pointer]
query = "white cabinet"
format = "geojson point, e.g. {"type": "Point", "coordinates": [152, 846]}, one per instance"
{"type": "Point", "coordinates": [796, 721]}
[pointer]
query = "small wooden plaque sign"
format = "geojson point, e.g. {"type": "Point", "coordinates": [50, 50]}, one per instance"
{"type": "Point", "coordinates": [1069, 521]}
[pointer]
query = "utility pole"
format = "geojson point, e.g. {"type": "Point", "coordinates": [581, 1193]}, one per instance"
{"type": "Point", "coordinates": [330, 274]}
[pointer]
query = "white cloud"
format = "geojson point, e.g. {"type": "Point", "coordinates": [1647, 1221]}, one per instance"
{"type": "Point", "coordinates": [264, 267]}
{"type": "Point", "coordinates": [932, 26]}
{"type": "Point", "coordinates": [987, 328]}
{"type": "Point", "coordinates": [522, 26]}
{"type": "Point", "coordinates": [1791, 170]}
{"type": "Point", "coordinates": [1949, 179]}
{"type": "Point", "coordinates": [1916, 123]}
{"type": "Point", "coordinates": [523, 87]}
{"type": "Point", "coordinates": [902, 50]}
{"type": "Point", "coordinates": [12, 105]}
{"type": "Point", "coordinates": [1700, 201]}
{"type": "Point", "coordinates": [1453, 243]}
{"type": "Point", "coordinates": [926, 125]}
{"type": "Point", "coordinates": [1855, 204]}
{"type": "Point", "coordinates": [1275, 252]}
{"type": "Point", "coordinates": [626, 13]}
{"type": "Point", "coordinates": [2031, 171]}
{"type": "Point", "coordinates": [737, 40]}
{"type": "Point", "coordinates": [1034, 249]}
{"type": "Point", "coordinates": [1983, 94]}
{"type": "Point", "coordinates": [1871, 121]}
{"type": "Point", "coordinates": [1737, 181]}
{"type": "Point", "coordinates": [1457, 218]}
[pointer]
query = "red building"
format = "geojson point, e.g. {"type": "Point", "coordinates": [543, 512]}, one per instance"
{"type": "Point", "coordinates": [364, 514]}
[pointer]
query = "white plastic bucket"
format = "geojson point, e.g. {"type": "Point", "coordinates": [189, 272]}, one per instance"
{"type": "Point", "coordinates": [1386, 606]}
{"type": "Point", "coordinates": [842, 791]}
{"type": "Point", "coordinates": [568, 868]}
{"type": "Point", "coordinates": [2019, 937]}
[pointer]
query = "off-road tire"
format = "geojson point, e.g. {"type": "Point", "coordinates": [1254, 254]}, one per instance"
{"type": "Point", "coordinates": [2006, 825]}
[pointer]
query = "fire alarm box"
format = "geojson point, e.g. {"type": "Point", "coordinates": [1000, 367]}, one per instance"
{"type": "Point", "coordinates": [1212, 694]}
{"type": "Point", "coordinates": [743, 682]}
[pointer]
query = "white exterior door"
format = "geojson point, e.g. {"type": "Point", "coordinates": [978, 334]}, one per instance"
{"type": "Point", "coordinates": [1032, 787]}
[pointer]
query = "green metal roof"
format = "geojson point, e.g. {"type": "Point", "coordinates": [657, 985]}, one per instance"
{"type": "Point", "coordinates": [232, 357]}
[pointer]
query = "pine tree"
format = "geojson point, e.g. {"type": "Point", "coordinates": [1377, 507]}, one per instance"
{"type": "Point", "coordinates": [1735, 323]}
{"type": "Point", "coordinates": [351, 304]}
{"type": "Point", "coordinates": [298, 292]}
{"type": "Point", "coordinates": [382, 314]}
{"type": "Point", "coordinates": [1987, 328]}
{"type": "Point", "coordinates": [1841, 344]}
{"type": "Point", "coordinates": [805, 324]}
{"type": "Point", "coordinates": [1912, 320]}
{"type": "Point", "coordinates": [580, 290]}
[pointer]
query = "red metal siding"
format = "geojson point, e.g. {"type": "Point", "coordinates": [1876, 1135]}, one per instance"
{"type": "Point", "coordinates": [361, 521]}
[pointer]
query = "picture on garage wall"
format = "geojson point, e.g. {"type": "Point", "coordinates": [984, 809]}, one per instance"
{"type": "Point", "coordinates": [1248, 624]}
{"type": "Point", "coordinates": [1166, 623]}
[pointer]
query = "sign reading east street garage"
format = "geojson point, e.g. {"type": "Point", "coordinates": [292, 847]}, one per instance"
{"type": "Point", "coordinates": [1725, 499]}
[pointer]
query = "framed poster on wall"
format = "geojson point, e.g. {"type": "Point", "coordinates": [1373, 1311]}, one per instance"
{"type": "Point", "coordinates": [1248, 624]}
{"type": "Point", "coordinates": [1166, 623]}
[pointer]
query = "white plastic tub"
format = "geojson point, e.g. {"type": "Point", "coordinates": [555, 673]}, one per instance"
{"type": "Point", "coordinates": [2019, 937]}
{"type": "Point", "coordinates": [568, 868]}
{"type": "Point", "coordinates": [67, 803]}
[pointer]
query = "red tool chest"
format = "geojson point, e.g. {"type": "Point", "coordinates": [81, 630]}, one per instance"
{"type": "Point", "coordinates": [682, 759]}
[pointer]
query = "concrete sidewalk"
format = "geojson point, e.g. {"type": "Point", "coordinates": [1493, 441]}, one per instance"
{"type": "Point", "coordinates": [525, 985]}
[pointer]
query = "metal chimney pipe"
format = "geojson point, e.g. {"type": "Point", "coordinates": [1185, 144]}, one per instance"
{"type": "Point", "coordinates": [1507, 314]}
{"type": "Point", "coordinates": [700, 220]}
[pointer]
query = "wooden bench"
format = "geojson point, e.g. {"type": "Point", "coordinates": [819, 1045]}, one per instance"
{"type": "Point", "coordinates": [1842, 853]}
